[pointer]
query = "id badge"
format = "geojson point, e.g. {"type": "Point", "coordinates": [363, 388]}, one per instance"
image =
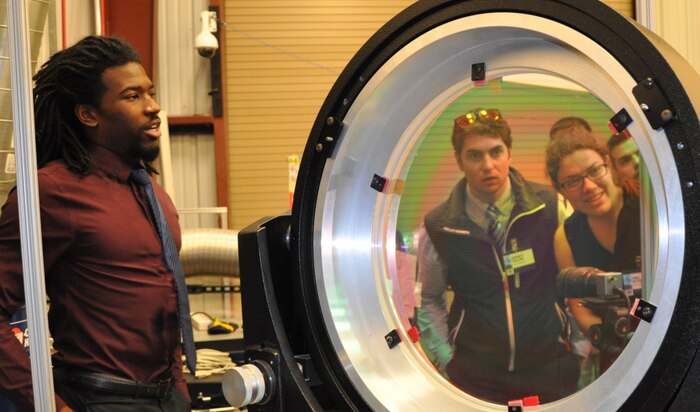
{"type": "Point", "coordinates": [518, 261]}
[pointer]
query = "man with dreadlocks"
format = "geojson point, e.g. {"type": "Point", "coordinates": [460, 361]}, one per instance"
{"type": "Point", "coordinates": [113, 308]}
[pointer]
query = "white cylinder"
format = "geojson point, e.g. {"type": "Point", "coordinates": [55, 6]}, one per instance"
{"type": "Point", "coordinates": [243, 385]}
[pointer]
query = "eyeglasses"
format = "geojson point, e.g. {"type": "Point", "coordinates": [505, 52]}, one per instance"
{"type": "Point", "coordinates": [596, 172]}
{"type": "Point", "coordinates": [480, 115]}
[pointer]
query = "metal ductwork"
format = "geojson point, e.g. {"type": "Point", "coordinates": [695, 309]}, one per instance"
{"type": "Point", "coordinates": [210, 251]}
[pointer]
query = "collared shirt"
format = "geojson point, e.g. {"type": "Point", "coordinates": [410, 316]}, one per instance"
{"type": "Point", "coordinates": [113, 307]}
{"type": "Point", "coordinates": [476, 208]}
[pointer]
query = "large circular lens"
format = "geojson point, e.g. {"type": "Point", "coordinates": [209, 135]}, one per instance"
{"type": "Point", "coordinates": [379, 158]}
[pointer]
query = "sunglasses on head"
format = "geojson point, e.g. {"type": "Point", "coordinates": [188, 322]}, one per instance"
{"type": "Point", "coordinates": [480, 115]}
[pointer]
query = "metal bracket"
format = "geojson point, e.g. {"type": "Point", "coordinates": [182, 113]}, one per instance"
{"type": "Point", "coordinates": [620, 121]}
{"type": "Point", "coordinates": [379, 183]}
{"type": "Point", "coordinates": [329, 136]}
{"type": "Point", "coordinates": [652, 101]}
{"type": "Point", "coordinates": [392, 338]}
{"type": "Point", "coordinates": [643, 310]}
{"type": "Point", "coordinates": [479, 73]}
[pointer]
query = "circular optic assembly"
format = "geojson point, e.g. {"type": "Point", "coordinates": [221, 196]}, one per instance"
{"type": "Point", "coordinates": [355, 167]}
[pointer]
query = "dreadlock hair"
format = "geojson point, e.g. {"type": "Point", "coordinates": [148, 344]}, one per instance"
{"type": "Point", "coordinates": [70, 77]}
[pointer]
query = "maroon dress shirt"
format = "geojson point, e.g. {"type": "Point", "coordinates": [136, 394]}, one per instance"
{"type": "Point", "coordinates": [113, 307]}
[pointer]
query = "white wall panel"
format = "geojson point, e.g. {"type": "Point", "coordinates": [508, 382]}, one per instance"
{"type": "Point", "coordinates": [676, 21]}
{"type": "Point", "coordinates": [183, 83]}
{"type": "Point", "coordinates": [193, 185]}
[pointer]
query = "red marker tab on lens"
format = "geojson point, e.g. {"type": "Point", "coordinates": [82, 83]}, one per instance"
{"type": "Point", "coordinates": [519, 405]}
{"type": "Point", "coordinates": [414, 334]}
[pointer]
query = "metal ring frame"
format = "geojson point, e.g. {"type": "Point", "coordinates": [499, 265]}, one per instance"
{"type": "Point", "coordinates": [396, 86]}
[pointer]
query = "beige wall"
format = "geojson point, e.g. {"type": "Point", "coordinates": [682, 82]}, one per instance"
{"type": "Point", "coordinates": [283, 56]}
{"type": "Point", "coordinates": [676, 21]}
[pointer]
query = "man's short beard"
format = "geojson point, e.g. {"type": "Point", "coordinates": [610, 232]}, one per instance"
{"type": "Point", "coordinates": [149, 154]}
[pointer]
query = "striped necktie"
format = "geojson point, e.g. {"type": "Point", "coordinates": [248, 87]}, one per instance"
{"type": "Point", "coordinates": [172, 259]}
{"type": "Point", "coordinates": [495, 229]}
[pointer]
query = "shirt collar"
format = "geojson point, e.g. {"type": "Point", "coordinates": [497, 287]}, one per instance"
{"type": "Point", "coordinates": [476, 209]}
{"type": "Point", "coordinates": [107, 162]}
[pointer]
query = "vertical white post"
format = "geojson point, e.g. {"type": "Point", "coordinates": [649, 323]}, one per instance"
{"type": "Point", "coordinates": [28, 202]}
{"type": "Point", "coordinates": [645, 13]}
{"type": "Point", "coordinates": [97, 5]}
{"type": "Point", "coordinates": [645, 17]}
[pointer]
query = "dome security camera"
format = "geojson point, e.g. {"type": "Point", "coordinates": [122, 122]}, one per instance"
{"type": "Point", "coordinates": [205, 42]}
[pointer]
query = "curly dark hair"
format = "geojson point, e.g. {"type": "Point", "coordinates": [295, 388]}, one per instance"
{"type": "Point", "coordinates": [70, 77]}
{"type": "Point", "coordinates": [566, 144]}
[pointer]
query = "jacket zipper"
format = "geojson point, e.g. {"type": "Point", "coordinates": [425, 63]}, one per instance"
{"type": "Point", "coordinates": [506, 290]}
{"type": "Point", "coordinates": [509, 311]}
{"type": "Point", "coordinates": [456, 329]}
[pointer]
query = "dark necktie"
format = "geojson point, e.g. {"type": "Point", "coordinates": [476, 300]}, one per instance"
{"type": "Point", "coordinates": [140, 176]}
{"type": "Point", "coordinates": [495, 228]}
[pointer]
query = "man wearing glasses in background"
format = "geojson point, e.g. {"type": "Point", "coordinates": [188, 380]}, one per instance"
{"type": "Point", "coordinates": [504, 336]}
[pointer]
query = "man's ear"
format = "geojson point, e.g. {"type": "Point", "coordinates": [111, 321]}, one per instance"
{"type": "Point", "coordinates": [86, 114]}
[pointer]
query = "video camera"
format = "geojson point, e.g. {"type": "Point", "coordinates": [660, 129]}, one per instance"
{"type": "Point", "coordinates": [608, 295]}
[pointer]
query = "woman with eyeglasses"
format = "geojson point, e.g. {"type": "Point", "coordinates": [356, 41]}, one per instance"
{"type": "Point", "coordinates": [604, 231]}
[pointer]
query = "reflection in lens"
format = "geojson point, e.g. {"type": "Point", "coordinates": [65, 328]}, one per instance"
{"type": "Point", "coordinates": [406, 266]}
{"type": "Point", "coordinates": [486, 311]}
{"type": "Point", "coordinates": [603, 232]}
{"type": "Point", "coordinates": [347, 225]}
